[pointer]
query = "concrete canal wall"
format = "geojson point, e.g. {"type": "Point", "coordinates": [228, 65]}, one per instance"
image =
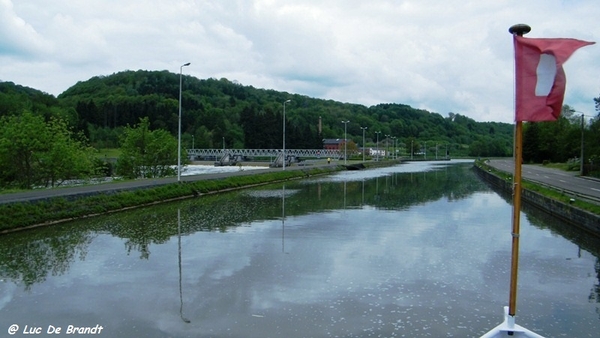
{"type": "Point", "coordinates": [580, 218]}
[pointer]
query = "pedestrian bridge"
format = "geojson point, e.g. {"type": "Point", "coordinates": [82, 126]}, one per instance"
{"type": "Point", "coordinates": [213, 154]}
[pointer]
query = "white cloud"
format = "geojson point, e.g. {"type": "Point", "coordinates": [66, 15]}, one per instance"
{"type": "Point", "coordinates": [450, 56]}
{"type": "Point", "coordinates": [17, 37]}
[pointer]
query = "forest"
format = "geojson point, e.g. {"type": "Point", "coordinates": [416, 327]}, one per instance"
{"type": "Point", "coordinates": [247, 117]}
{"type": "Point", "coordinates": [99, 112]}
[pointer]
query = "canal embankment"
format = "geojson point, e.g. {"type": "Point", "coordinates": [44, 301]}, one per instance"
{"type": "Point", "coordinates": [52, 206]}
{"type": "Point", "coordinates": [562, 207]}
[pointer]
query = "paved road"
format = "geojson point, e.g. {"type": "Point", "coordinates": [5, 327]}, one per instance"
{"type": "Point", "coordinates": [569, 181]}
{"type": "Point", "coordinates": [117, 186]}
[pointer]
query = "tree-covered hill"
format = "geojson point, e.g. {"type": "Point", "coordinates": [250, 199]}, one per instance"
{"type": "Point", "coordinates": [16, 99]}
{"type": "Point", "coordinates": [37, 129]}
{"type": "Point", "coordinates": [221, 111]}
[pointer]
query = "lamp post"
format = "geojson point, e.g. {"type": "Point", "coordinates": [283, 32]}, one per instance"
{"type": "Point", "coordinates": [283, 159]}
{"type": "Point", "coordinates": [581, 160]}
{"type": "Point", "coordinates": [345, 141]}
{"type": "Point", "coordinates": [411, 148]}
{"type": "Point", "coordinates": [387, 144]}
{"type": "Point", "coordinates": [394, 146]}
{"type": "Point", "coordinates": [446, 150]}
{"type": "Point", "coordinates": [581, 168]}
{"type": "Point", "coordinates": [363, 129]}
{"type": "Point", "coordinates": [377, 147]}
{"type": "Point", "coordinates": [179, 125]}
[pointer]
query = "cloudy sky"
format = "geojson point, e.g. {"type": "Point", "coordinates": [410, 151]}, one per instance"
{"type": "Point", "coordinates": [443, 56]}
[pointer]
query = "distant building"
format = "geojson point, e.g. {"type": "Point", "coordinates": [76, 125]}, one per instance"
{"type": "Point", "coordinates": [376, 152]}
{"type": "Point", "coordinates": [333, 143]}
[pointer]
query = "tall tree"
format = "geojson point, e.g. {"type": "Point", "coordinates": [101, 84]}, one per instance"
{"type": "Point", "coordinates": [38, 153]}
{"type": "Point", "coordinates": [147, 153]}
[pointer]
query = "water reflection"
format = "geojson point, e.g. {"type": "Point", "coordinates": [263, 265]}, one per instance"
{"type": "Point", "coordinates": [413, 250]}
{"type": "Point", "coordinates": [179, 261]}
{"type": "Point", "coordinates": [283, 219]}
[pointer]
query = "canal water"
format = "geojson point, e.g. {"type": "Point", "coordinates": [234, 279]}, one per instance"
{"type": "Point", "coordinates": [416, 250]}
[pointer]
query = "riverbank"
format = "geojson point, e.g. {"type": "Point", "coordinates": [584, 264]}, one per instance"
{"type": "Point", "coordinates": [559, 205]}
{"type": "Point", "coordinates": [44, 208]}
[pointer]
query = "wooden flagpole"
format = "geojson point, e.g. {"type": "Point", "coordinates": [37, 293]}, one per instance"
{"type": "Point", "coordinates": [516, 220]}
{"type": "Point", "coordinates": [519, 30]}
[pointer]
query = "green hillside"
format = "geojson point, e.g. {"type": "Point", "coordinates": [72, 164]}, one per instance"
{"type": "Point", "coordinates": [44, 140]}
{"type": "Point", "coordinates": [217, 111]}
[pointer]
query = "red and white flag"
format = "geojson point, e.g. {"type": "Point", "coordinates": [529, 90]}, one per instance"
{"type": "Point", "coordinates": [540, 78]}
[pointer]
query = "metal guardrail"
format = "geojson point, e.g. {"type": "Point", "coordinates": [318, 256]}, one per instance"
{"type": "Point", "coordinates": [589, 198]}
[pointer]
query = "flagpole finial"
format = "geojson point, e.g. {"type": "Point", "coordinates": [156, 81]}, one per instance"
{"type": "Point", "coordinates": [519, 29]}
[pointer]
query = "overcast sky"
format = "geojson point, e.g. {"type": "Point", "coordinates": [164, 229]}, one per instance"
{"type": "Point", "coordinates": [442, 56]}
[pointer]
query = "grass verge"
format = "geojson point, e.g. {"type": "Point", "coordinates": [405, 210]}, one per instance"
{"type": "Point", "coordinates": [555, 194]}
{"type": "Point", "coordinates": [27, 214]}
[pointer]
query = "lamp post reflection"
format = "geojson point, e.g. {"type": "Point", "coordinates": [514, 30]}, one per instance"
{"type": "Point", "coordinates": [179, 256]}
{"type": "Point", "coordinates": [377, 197]}
{"type": "Point", "coordinates": [363, 193]}
{"type": "Point", "coordinates": [345, 182]}
{"type": "Point", "coordinates": [283, 220]}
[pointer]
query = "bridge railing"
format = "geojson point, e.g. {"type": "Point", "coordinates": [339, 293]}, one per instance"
{"type": "Point", "coordinates": [302, 153]}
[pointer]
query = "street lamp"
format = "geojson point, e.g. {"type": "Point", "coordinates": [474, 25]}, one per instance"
{"type": "Point", "coordinates": [377, 132]}
{"type": "Point", "coordinates": [581, 169]}
{"type": "Point", "coordinates": [345, 141]}
{"type": "Point", "coordinates": [363, 151]}
{"type": "Point", "coordinates": [446, 150]}
{"type": "Point", "coordinates": [581, 160]}
{"type": "Point", "coordinates": [283, 159]}
{"type": "Point", "coordinates": [394, 146]}
{"type": "Point", "coordinates": [387, 144]}
{"type": "Point", "coordinates": [179, 125]}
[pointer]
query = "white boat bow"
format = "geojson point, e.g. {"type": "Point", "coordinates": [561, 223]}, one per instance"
{"type": "Point", "coordinates": [508, 328]}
